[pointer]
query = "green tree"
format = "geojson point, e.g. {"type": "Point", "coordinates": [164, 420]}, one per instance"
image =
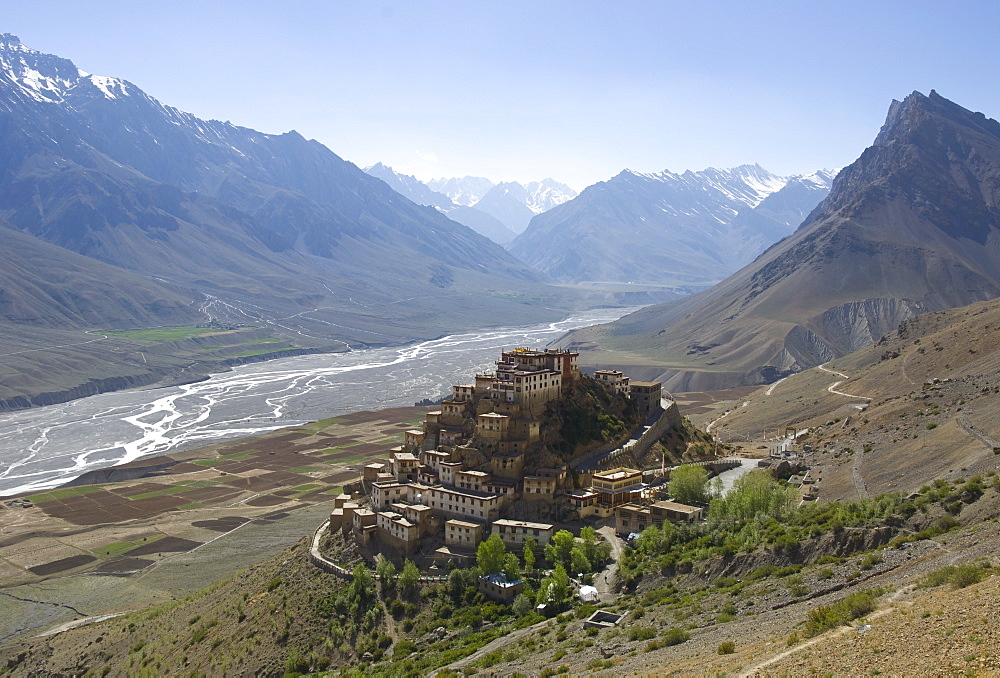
{"type": "Point", "coordinates": [529, 553]}
{"type": "Point", "coordinates": [689, 484]}
{"type": "Point", "coordinates": [522, 605]}
{"type": "Point", "coordinates": [512, 567]}
{"type": "Point", "coordinates": [456, 584]}
{"type": "Point", "coordinates": [491, 554]}
{"type": "Point", "coordinates": [386, 572]}
{"type": "Point", "coordinates": [554, 591]}
{"type": "Point", "coordinates": [560, 585]}
{"type": "Point", "coordinates": [409, 579]}
{"type": "Point", "coordinates": [755, 494]}
{"type": "Point", "coordinates": [558, 550]}
{"type": "Point", "coordinates": [655, 540]}
{"type": "Point", "coordinates": [597, 551]}
{"type": "Point", "coordinates": [361, 591]}
{"type": "Point", "coordinates": [579, 562]}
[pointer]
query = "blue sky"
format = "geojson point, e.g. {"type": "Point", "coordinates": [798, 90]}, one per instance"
{"type": "Point", "coordinates": [525, 90]}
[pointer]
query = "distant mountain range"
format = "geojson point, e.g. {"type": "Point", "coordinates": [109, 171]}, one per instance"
{"type": "Point", "coordinates": [465, 191]}
{"type": "Point", "coordinates": [681, 229]}
{"type": "Point", "coordinates": [146, 215]}
{"type": "Point", "coordinates": [498, 211]}
{"type": "Point", "coordinates": [421, 193]}
{"type": "Point", "coordinates": [913, 225]}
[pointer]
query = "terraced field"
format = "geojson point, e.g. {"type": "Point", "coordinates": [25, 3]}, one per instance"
{"type": "Point", "coordinates": [274, 484]}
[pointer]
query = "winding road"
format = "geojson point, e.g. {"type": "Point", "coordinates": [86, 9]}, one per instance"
{"type": "Point", "coordinates": [832, 388]}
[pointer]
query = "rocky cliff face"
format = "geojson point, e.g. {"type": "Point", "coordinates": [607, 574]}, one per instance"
{"type": "Point", "coordinates": [857, 324]}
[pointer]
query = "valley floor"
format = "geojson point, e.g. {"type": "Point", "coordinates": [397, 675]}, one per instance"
{"type": "Point", "coordinates": [92, 550]}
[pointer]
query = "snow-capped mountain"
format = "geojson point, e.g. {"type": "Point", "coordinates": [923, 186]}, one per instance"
{"type": "Point", "coordinates": [465, 191]}
{"type": "Point", "coordinates": [508, 202]}
{"type": "Point", "coordinates": [512, 203]}
{"type": "Point", "coordinates": [421, 193]}
{"type": "Point", "coordinates": [548, 193]}
{"type": "Point", "coordinates": [913, 225]}
{"type": "Point", "coordinates": [48, 78]}
{"type": "Point", "coordinates": [268, 225]}
{"type": "Point", "coordinates": [665, 227]}
{"type": "Point", "coordinates": [411, 187]}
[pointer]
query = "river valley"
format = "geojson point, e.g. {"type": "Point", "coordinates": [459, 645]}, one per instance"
{"type": "Point", "coordinates": [46, 447]}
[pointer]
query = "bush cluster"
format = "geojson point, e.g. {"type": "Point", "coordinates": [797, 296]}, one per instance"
{"type": "Point", "coordinates": [843, 611]}
{"type": "Point", "coordinates": [958, 576]}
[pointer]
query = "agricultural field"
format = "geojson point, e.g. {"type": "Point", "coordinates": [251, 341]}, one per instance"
{"type": "Point", "coordinates": [244, 499]}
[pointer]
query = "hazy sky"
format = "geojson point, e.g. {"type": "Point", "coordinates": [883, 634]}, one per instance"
{"type": "Point", "coordinates": [525, 90]}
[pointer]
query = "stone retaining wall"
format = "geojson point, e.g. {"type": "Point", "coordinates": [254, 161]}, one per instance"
{"type": "Point", "coordinates": [317, 559]}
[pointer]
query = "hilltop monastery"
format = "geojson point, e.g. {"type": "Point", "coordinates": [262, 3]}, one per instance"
{"type": "Point", "coordinates": [465, 473]}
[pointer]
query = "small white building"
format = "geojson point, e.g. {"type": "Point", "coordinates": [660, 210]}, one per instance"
{"type": "Point", "coordinates": [513, 533]}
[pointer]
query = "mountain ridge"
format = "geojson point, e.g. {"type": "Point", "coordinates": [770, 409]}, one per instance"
{"type": "Point", "coordinates": [271, 230]}
{"type": "Point", "coordinates": [422, 194]}
{"type": "Point", "coordinates": [911, 226]}
{"type": "Point", "coordinates": [686, 228]}
{"type": "Point", "coordinates": [512, 203]}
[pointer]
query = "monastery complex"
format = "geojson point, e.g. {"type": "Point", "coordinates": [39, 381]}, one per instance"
{"type": "Point", "coordinates": [471, 470]}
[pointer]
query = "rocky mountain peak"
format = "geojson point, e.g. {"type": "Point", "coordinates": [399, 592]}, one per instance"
{"type": "Point", "coordinates": [928, 147]}
{"type": "Point", "coordinates": [906, 116]}
{"type": "Point", "coordinates": [912, 225]}
{"type": "Point", "coordinates": [9, 41]}
{"type": "Point", "coordinates": [48, 78]}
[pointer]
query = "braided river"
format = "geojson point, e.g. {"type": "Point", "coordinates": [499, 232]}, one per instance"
{"type": "Point", "coordinates": [46, 447]}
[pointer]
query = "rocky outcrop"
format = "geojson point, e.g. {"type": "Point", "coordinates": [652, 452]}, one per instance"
{"type": "Point", "coordinates": [839, 543]}
{"type": "Point", "coordinates": [857, 324]}
{"type": "Point", "coordinates": [803, 349]}
{"type": "Point", "coordinates": [88, 388]}
{"type": "Point", "coordinates": [119, 474]}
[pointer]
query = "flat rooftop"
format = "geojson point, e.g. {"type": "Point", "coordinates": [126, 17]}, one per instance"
{"type": "Point", "coordinates": [523, 523]}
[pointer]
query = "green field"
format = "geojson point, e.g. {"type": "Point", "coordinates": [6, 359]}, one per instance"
{"type": "Point", "coordinates": [119, 547]}
{"type": "Point", "coordinates": [306, 469]}
{"type": "Point", "coordinates": [199, 483]}
{"type": "Point", "coordinates": [226, 457]}
{"type": "Point", "coordinates": [323, 423]}
{"type": "Point", "coordinates": [66, 493]}
{"type": "Point", "coordinates": [163, 334]}
{"type": "Point", "coordinates": [160, 493]}
{"type": "Point", "coordinates": [352, 459]}
{"type": "Point", "coordinates": [258, 342]}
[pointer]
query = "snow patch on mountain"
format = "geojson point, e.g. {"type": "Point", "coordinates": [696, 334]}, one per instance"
{"type": "Point", "coordinates": [537, 196]}
{"type": "Point", "coordinates": [819, 179]}
{"type": "Point", "coordinates": [548, 193]}
{"type": "Point", "coordinates": [108, 85]}
{"type": "Point", "coordinates": [50, 79]}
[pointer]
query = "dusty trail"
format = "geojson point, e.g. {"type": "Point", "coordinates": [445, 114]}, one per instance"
{"type": "Point", "coordinates": [967, 426]}
{"type": "Point", "coordinates": [755, 670]}
{"type": "Point", "coordinates": [708, 428]}
{"type": "Point", "coordinates": [833, 387]}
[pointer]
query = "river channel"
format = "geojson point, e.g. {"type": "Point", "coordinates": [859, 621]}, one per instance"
{"type": "Point", "coordinates": [46, 447]}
